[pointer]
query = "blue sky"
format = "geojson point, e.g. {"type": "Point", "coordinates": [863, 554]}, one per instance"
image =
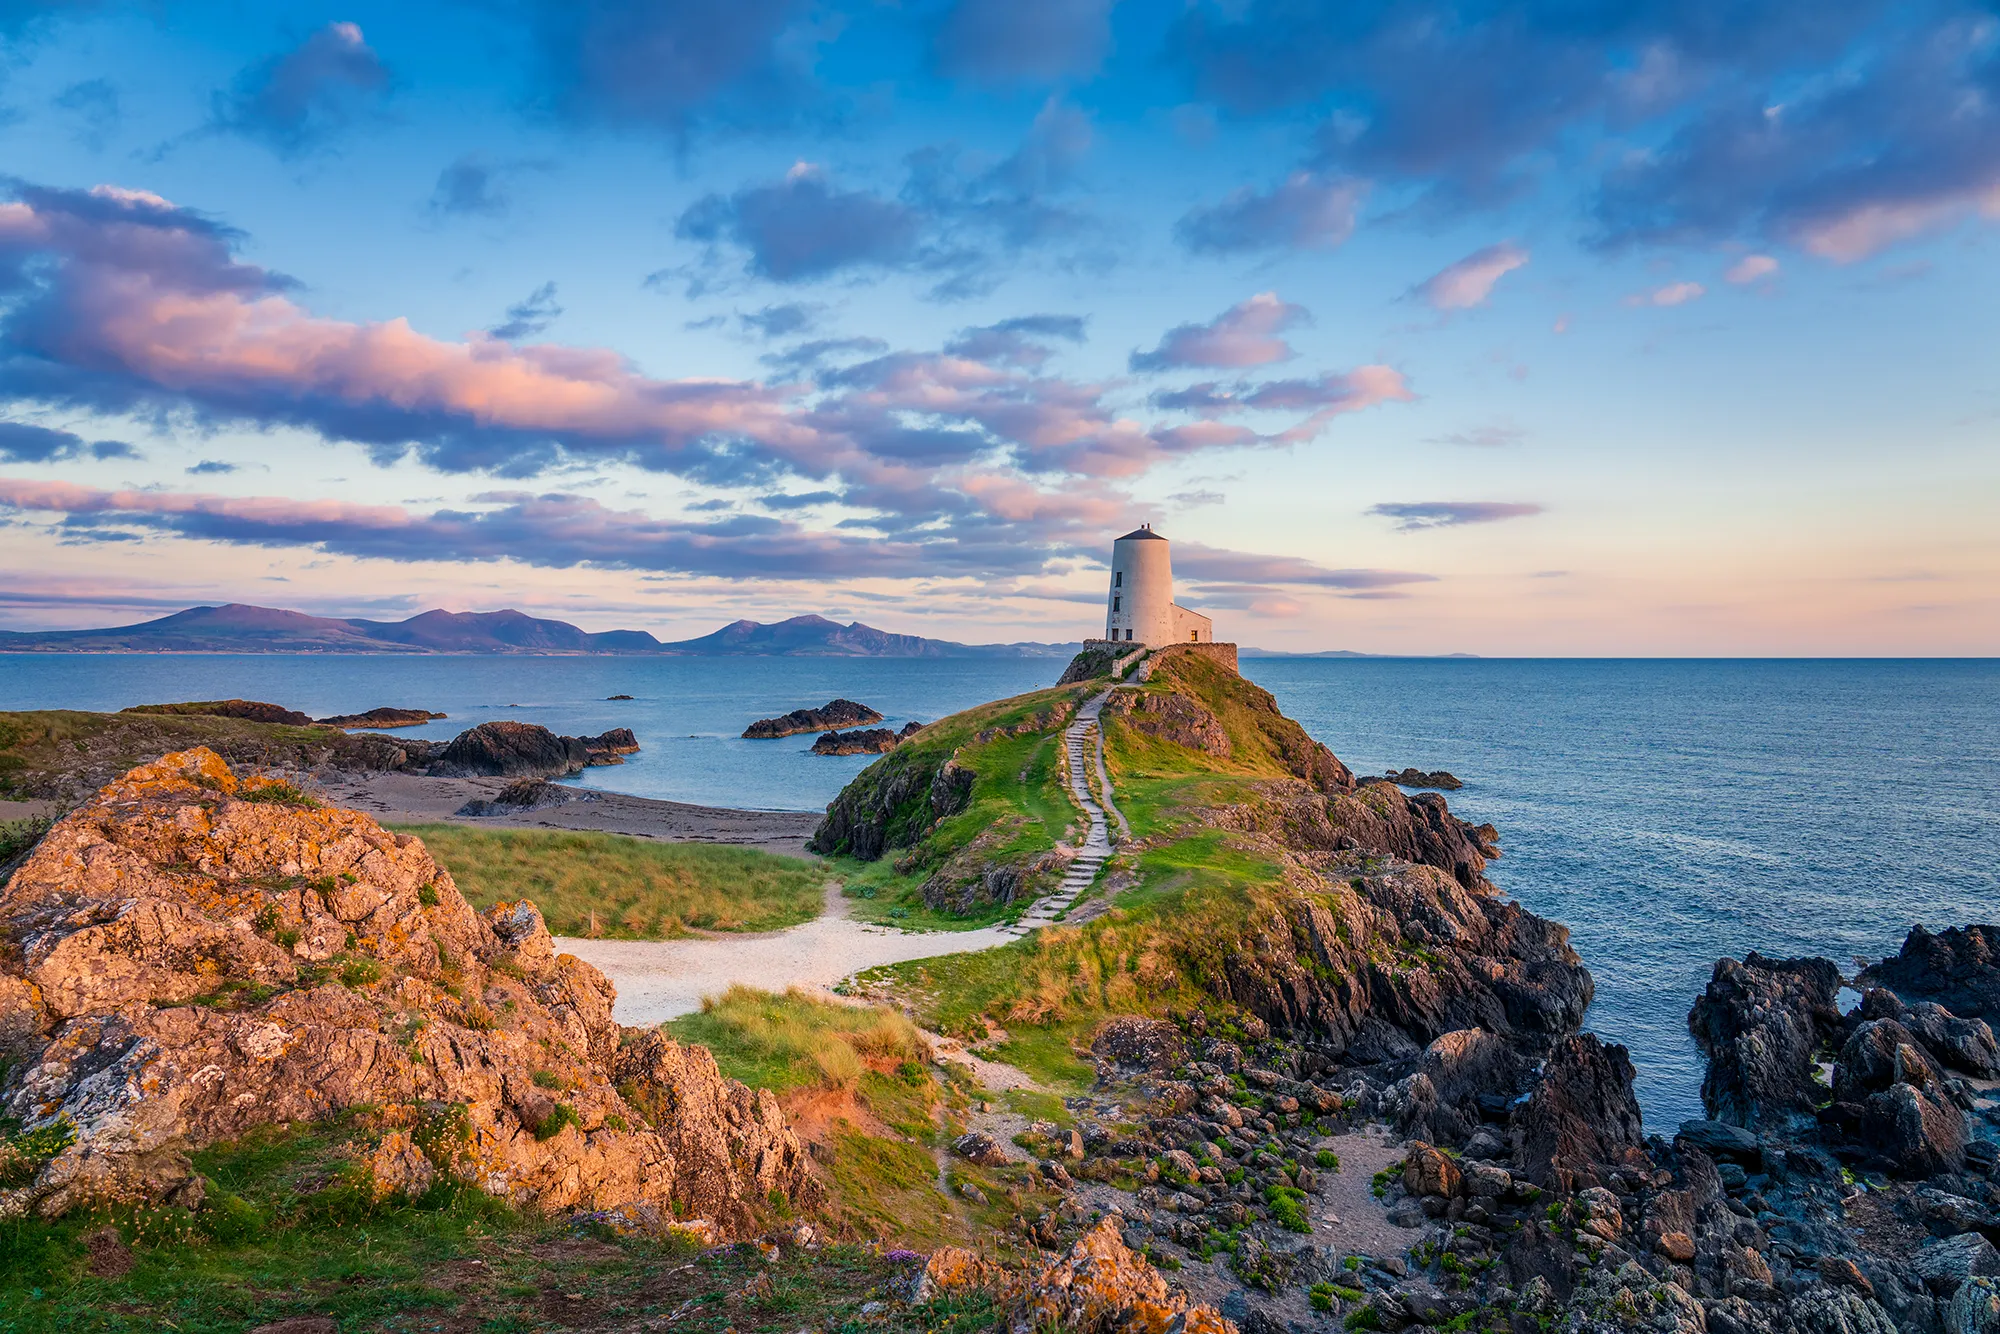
{"type": "Point", "coordinates": [1420, 328]}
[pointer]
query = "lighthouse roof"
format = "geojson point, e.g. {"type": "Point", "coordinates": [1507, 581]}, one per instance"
{"type": "Point", "coordinates": [1142, 532]}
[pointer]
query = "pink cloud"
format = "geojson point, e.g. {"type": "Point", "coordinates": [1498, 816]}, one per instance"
{"type": "Point", "coordinates": [1673, 294]}
{"type": "Point", "coordinates": [1247, 334]}
{"type": "Point", "coordinates": [1749, 269]}
{"type": "Point", "coordinates": [1470, 281]}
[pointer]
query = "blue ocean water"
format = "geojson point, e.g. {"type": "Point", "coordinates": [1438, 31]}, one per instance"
{"type": "Point", "coordinates": [1668, 812]}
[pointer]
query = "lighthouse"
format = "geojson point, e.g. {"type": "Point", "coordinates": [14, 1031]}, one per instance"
{"type": "Point", "coordinates": [1140, 603]}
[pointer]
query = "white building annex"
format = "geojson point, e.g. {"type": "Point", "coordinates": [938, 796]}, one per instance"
{"type": "Point", "coordinates": [1140, 604]}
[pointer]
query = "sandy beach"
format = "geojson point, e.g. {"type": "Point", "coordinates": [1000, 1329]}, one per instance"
{"type": "Point", "coordinates": [412, 799]}
{"type": "Point", "coordinates": [663, 979]}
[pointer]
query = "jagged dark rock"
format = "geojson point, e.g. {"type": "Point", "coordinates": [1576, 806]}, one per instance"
{"type": "Point", "coordinates": [1581, 1127]}
{"type": "Point", "coordinates": [1958, 969]}
{"type": "Point", "coordinates": [1089, 665]}
{"type": "Point", "coordinates": [862, 741]}
{"type": "Point", "coordinates": [524, 795]}
{"type": "Point", "coordinates": [892, 802]}
{"type": "Point", "coordinates": [836, 714]}
{"type": "Point", "coordinates": [382, 718]}
{"type": "Point", "coordinates": [1762, 1024]}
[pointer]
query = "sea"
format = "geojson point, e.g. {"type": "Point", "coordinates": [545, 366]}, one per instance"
{"type": "Point", "coordinates": [1669, 812]}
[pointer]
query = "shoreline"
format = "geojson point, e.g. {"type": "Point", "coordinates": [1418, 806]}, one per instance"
{"type": "Point", "coordinates": [395, 798]}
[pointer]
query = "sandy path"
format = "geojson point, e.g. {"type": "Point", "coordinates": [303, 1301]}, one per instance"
{"type": "Point", "coordinates": [663, 979]}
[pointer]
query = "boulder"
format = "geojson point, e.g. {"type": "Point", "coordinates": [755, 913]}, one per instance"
{"type": "Point", "coordinates": [1761, 1024]}
{"type": "Point", "coordinates": [977, 1146]}
{"type": "Point", "coordinates": [1581, 1123]}
{"type": "Point", "coordinates": [1974, 1308]}
{"type": "Point", "coordinates": [1428, 1170]}
{"type": "Point", "coordinates": [1101, 1286]}
{"type": "Point", "coordinates": [524, 795]}
{"type": "Point", "coordinates": [1944, 1264]}
{"type": "Point", "coordinates": [200, 965]}
{"type": "Point", "coordinates": [1914, 1132]}
{"type": "Point", "coordinates": [1878, 1054]}
{"type": "Point", "coordinates": [1719, 1139]}
{"type": "Point", "coordinates": [1437, 778]}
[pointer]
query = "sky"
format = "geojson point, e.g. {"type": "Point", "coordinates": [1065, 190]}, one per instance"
{"type": "Point", "coordinates": [1551, 328]}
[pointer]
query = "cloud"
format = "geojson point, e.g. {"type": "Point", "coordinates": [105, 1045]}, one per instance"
{"type": "Point", "coordinates": [807, 356]}
{"type": "Point", "coordinates": [297, 99]}
{"type": "Point", "coordinates": [802, 227]}
{"type": "Point", "coordinates": [676, 66]}
{"type": "Point", "coordinates": [1205, 564]}
{"type": "Point", "coordinates": [117, 301]}
{"type": "Point", "coordinates": [1469, 282]}
{"type": "Point", "coordinates": [1306, 211]}
{"type": "Point", "coordinates": [211, 468]}
{"type": "Point", "coordinates": [1323, 396]}
{"type": "Point", "coordinates": [1673, 294]}
{"type": "Point", "coordinates": [1247, 334]}
{"type": "Point", "coordinates": [94, 102]}
{"type": "Point", "coordinates": [1749, 269]}
{"type": "Point", "coordinates": [1029, 41]}
{"type": "Point", "coordinates": [22, 442]}
{"type": "Point", "coordinates": [1020, 341]}
{"type": "Point", "coordinates": [473, 187]}
{"type": "Point", "coordinates": [782, 321]}
{"type": "Point", "coordinates": [529, 317]}
{"type": "Point", "coordinates": [1483, 437]}
{"type": "Point", "coordinates": [1414, 515]}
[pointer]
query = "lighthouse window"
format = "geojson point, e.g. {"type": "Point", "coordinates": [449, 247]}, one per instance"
{"type": "Point", "coordinates": [1114, 604]}
{"type": "Point", "coordinates": [1118, 578]}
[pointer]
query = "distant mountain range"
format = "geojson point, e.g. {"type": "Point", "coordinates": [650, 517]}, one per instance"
{"type": "Point", "coordinates": [237, 628]}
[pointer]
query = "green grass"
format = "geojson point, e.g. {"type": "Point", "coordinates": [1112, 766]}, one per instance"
{"type": "Point", "coordinates": [638, 889]}
{"type": "Point", "coordinates": [790, 1041]}
{"type": "Point", "coordinates": [288, 1229]}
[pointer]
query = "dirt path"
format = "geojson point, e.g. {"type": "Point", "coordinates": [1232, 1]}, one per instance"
{"type": "Point", "coordinates": [1083, 741]}
{"type": "Point", "coordinates": [664, 979]}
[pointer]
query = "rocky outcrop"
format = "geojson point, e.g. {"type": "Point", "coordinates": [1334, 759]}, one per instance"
{"type": "Point", "coordinates": [382, 718]}
{"type": "Point", "coordinates": [1437, 778]}
{"type": "Point", "coordinates": [1378, 966]}
{"type": "Point", "coordinates": [196, 953]}
{"type": "Point", "coordinates": [862, 741]}
{"type": "Point", "coordinates": [1099, 1286]}
{"type": "Point", "coordinates": [892, 803]}
{"type": "Point", "coordinates": [1088, 665]}
{"type": "Point", "coordinates": [836, 714]}
{"type": "Point", "coordinates": [1958, 969]}
{"type": "Point", "coordinates": [1762, 1024]}
{"type": "Point", "coordinates": [1580, 1127]}
{"type": "Point", "coordinates": [1171, 717]}
{"type": "Point", "coordinates": [250, 710]}
{"type": "Point", "coordinates": [526, 750]}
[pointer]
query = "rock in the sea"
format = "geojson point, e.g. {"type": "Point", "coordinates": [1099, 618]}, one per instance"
{"type": "Point", "coordinates": [612, 697]}
{"type": "Point", "coordinates": [1581, 1123]}
{"type": "Point", "coordinates": [255, 711]}
{"type": "Point", "coordinates": [1761, 1023]}
{"type": "Point", "coordinates": [1437, 778]}
{"type": "Point", "coordinates": [382, 718]}
{"type": "Point", "coordinates": [526, 750]}
{"type": "Point", "coordinates": [189, 965]}
{"type": "Point", "coordinates": [837, 713]}
{"type": "Point", "coordinates": [864, 741]}
{"type": "Point", "coordinates": [1719, 1139]}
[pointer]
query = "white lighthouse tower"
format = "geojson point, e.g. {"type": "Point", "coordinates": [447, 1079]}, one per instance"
{"type": "Point", "coordinates": [1140, 607]}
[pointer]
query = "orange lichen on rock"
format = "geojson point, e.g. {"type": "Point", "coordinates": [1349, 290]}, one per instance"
{"type": "Point", "coordinates": [1099, 1286]}
{"type": "Point", "coordinates": [178, 965]}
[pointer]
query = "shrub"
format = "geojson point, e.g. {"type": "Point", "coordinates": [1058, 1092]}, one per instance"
{"type": "Point", "coordinates": [428, 896]}
{"type": "Point", "coordinates": [277, 792]}
{"type": "Point", "coordinates": [546, 1079]}
{"type": "Point", "coordinates": [359, 972]}
{"type": "Point", "coordinates": [1328, 1160]}
{"type": "Point", "coordinates": [558, 1116]}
